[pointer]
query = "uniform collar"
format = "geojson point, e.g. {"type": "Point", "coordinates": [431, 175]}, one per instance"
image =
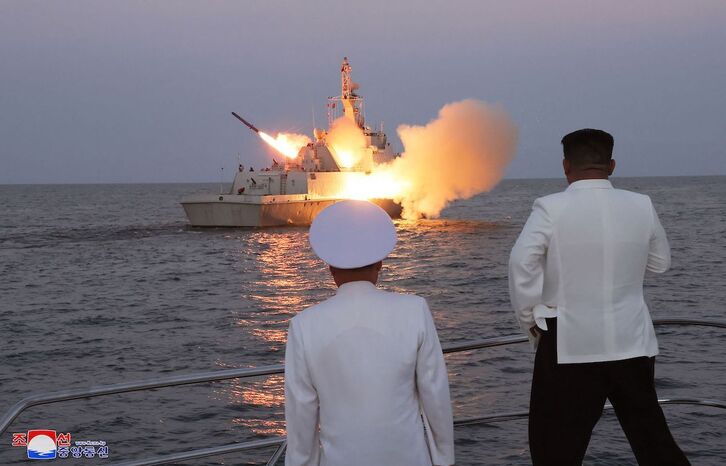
{"type": "Point", "coordinates": [590, 184]}
{"type": "Point", "coordinates": [355, 287]}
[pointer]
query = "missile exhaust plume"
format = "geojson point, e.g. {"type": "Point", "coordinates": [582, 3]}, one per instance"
{"type": "Point", "coordinates": [288, 144]}
{"type": "Point", "coordinates": [461, 153]}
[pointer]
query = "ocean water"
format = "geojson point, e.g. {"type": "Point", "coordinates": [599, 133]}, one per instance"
{"type": "Point", "coordinates": [103, 284]}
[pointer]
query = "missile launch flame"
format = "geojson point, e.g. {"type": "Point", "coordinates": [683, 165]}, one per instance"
{"type": "Point", "coordinates": [347, 141]}
{"type": "Point", "coordinates": [288, 144]}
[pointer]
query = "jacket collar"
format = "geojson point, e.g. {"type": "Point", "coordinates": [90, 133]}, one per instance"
{"type": "Point", "coordinates": [355, 287]}
{"type": "Point", "coordinates": [590, 184]}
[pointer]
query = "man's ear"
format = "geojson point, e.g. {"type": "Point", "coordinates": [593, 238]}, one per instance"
{"type": "Point", "coordinates": [566, 166]}
{"type": "Point", "coordinates": [612, 166]}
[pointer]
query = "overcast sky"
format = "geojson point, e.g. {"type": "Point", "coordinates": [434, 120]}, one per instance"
{"type": "Point", "coordinates": [141, 91]}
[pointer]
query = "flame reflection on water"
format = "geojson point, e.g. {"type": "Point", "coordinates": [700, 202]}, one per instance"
{"type": "Point", "coordinates": [257, 398]}
{"type": "Point", "coordinates": [283, 280]}
{"type": "Point", "coordinates": [282, 276]}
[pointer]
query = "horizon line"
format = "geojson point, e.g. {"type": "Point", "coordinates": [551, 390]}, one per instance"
{"type": "Point", "coordinates": [91, 183]}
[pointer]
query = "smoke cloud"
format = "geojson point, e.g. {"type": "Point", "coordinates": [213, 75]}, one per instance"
{"type": "Point", "coordinates": [461, 153]}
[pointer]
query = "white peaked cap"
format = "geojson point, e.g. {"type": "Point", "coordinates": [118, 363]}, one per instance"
{"type": "Point", "coordinates": [351, 234]}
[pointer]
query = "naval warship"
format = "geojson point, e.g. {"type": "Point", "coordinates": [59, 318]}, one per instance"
{"type": "Point", "coordinates": [293, 192]}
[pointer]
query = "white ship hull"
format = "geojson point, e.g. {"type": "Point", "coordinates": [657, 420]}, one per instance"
{"type": "Point", "coordinates": [244, 210]}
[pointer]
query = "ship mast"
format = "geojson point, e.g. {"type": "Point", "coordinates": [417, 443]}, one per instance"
{"type": "Point", "coordinates": [346, 81]}
{"type": "Point", "coordinates": [351, 103]}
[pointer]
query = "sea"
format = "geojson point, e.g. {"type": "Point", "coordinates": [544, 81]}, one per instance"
{"type": "Point", "coordinates": [103, 284]}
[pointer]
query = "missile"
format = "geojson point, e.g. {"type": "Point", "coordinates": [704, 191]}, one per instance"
{"type": "Point", "coordinates": [247, 124]}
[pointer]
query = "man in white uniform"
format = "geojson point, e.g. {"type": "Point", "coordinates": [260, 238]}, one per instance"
{"type": "Point", "coordinates": [365, 378]}
{"type": "Point", "coordinates": [576, 284]}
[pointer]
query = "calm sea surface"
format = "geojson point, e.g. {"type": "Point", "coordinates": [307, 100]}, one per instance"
{"type": "Point", "coordinates": [103, 284]}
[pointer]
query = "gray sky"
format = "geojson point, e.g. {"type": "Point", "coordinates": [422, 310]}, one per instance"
{"type": "Point", "coordinates": [140, 91]}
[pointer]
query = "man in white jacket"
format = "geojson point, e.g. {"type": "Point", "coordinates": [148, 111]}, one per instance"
{"type": "Point", "coordinates": [365, 378]}
{"type": "Point", "coordinates": [576, 284]}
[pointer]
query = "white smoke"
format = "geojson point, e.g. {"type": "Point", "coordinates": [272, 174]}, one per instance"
{"type": "Point", "coordinates": [461, 153]}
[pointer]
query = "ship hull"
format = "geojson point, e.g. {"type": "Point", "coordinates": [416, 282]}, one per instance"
{"type": "Point", "coordinates": [229, 210]}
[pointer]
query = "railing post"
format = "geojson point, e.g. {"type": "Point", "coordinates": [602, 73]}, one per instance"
{"type": "Point", "coordinates": [278, 453]}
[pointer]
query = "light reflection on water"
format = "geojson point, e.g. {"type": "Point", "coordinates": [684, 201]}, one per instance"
{"type": "Point", "coordinates": [276, 284]}
{"type": "Point", "coordinates": [251, 397]}
{"type": "Point", "coordinates": [271, 335]}
{"type": "Point", "coordinates": [268, 395]}
{"type": "Point", "coordinates": [285, 277]}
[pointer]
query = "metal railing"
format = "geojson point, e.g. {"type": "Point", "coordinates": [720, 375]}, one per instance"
{"type": "Point", "coordinates": [279, 442]}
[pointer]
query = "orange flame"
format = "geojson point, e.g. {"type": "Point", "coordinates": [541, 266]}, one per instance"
{"type": "Point", "coordinates": [288, 144]}
{"type": "Point", "coordinates": [380, 184]}
{"type": "Point", "coordinates": [347, 141]}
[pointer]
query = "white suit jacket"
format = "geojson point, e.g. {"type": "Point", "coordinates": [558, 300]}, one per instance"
{"type": "Point", "coordinates": [360, 369]}
{"type": "Point", "coordinates": [583, 254]}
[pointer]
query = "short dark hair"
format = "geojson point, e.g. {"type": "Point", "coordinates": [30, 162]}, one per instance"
{"type": "Point", "coordinates": [365, 268]}
{"type": "Point", "coordinates": [588, 147]}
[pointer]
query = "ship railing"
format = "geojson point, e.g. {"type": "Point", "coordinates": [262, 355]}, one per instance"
{"type": "Point", "coordinates": [279, 442]}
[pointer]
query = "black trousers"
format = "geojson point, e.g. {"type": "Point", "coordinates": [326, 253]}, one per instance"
{"type": "Point", "coordinates": [568, 399]}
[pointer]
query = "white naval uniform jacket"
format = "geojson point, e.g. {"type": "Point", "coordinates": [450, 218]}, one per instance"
{"type": "Point", "coordinates": [360, 369]}
{"type": "Point", "coordinates": [583, 254]}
